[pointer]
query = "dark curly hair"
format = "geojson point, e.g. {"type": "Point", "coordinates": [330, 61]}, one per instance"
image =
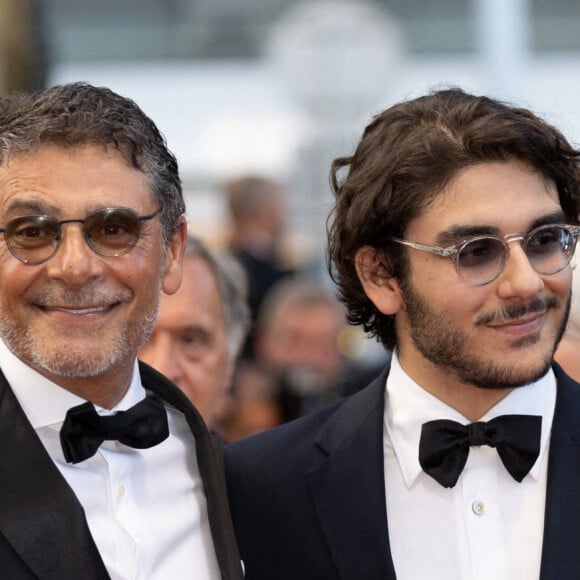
{"type": "Point", "coordinates": [406, 156]}
{"type": "Point", "coordinates": [76, 114]}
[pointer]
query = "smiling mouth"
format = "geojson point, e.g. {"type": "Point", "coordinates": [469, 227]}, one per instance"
{"type": "Point", "coordinates": [519, 321]}
{"type": "Point", "coordinates": [521, 327]}
{"type": "Point", "coordinates": [78, 311]}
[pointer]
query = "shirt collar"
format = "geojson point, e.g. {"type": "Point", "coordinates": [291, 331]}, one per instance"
{"type": "Point", "coordinates": [46, 403]}
{"type": "Point", "coordinates": [408, 406]}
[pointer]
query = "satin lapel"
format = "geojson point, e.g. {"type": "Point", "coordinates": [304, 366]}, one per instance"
{"type": "Point", "coordinates": [211, 470]}
{"type": "Point", "coordinates": [561, 548]}
{"type": "Point", "coordinates": [348, 486]}
{"type": "Point", "coordinates": [39, 514]}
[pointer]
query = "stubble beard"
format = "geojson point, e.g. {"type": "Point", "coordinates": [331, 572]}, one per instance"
{"type": "Point", "coordinates": [69, 362]}
{"type": "Point", "coordinates": [448, 347]}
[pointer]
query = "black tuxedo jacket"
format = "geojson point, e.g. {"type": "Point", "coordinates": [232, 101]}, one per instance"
{"type": "Point", "coordinates": [308, 498]}
{"type": "Point", "coordinates": [43, 531]}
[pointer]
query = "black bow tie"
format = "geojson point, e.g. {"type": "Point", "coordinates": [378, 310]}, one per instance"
{"type": "Point", "coordinates": [444, 445]}
{"type": "Point", "coordinates": [141, 426]}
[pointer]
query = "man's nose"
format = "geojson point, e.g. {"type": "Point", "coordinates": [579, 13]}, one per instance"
{"type": "Point", "coordinates": [519, 278]}
{"type": "Point", "coordinates": [74, 261]}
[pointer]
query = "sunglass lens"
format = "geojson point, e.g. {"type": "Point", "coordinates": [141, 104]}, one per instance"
{"type": "Point", "coordinates": [549, 249]}
{"type": "Point", "coordinates": [32, 238]}
{"type": "Point", "coordinates": [481, 259]}
{"type": "Point", "coordinates": [112, 232]}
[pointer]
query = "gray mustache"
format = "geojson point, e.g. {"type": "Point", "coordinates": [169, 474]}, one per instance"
{"type": "Point", "coordinates": [50, 299]}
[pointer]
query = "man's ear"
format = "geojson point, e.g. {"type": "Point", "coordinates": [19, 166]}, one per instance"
{"type": "Point", "coordinates": [381, 288]}
{"type": "Point", "coordinates": [174, 259]}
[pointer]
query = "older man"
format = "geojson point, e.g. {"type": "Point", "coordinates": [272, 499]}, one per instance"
{"type": "Point", "coordinates": [107, 469]}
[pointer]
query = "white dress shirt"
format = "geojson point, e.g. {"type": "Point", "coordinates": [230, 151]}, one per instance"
{"type": "Point", "coordinates": [488, 526]}
{"type": "Point", "coordinates": [146, 508]}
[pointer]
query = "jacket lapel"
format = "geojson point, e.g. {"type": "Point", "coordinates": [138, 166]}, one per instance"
{"type": "Point", "coordinates": [211, 471]}
{"type": "Point", "coordinates": [40, 516]}
{"type": "Point", "coordinates": [561, 548]}
{"type": "Point", "coordinates": [348, 486]}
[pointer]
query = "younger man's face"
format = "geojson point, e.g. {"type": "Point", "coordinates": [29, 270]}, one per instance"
{"type": "Point", "coordinates": [501, 334]}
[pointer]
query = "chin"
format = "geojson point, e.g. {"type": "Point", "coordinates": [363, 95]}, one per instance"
{"type": "Point", "coordinates": [514, 376]}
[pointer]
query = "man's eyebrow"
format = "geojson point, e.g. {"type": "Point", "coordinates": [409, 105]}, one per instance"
{"type": "Point", "coordinates": [556, 217]}
{"type": "Point", "coordinates": [195, 329]}
{"type": "Point", "coordinates": [30, 206]}
{"type": "Point", "coordinates": [458, 233]}
{"type": "Point", "coordinates": [35, 207]}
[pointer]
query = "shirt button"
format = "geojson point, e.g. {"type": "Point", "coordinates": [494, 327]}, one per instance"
{"type": "Point", "coordinates": [121, 489]}
{"type": "Point", "coordinates": [478, 508]}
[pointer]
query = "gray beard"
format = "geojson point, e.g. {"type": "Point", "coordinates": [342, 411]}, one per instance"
{"type": "Point", "coordinates": [68, 364]}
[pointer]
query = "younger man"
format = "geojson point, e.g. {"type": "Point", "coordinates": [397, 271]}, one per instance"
{"type": "Point", "coordinates": [450, 240]}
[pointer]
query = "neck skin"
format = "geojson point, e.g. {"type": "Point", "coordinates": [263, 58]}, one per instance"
{"type": "Point", "coordinates": [471, 401]}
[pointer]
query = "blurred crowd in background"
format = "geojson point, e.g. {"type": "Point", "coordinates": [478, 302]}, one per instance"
{"type": "Point", "coordinates": [254, 337]}
{"type": "Point", "coordinates": [299, 354]}
{"type": "Point", "coordinates": [256, 98]}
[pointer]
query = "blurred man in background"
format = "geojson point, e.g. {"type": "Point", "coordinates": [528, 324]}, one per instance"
{"type": "Point", "coordinates": [257, 213]}
{"type": "Point", "coordinates": [301, 332]}
{"type": "Point", "coordinates": [255, 403]}
{"type": "Point", "coordinates": [200, 329]}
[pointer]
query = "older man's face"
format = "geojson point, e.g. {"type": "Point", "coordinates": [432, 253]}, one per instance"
{"type": "Point", "coordinates": [80, 315]}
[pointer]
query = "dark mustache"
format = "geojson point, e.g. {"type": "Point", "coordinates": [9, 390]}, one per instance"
{"type": "Point", "coordinates": [514, 311]}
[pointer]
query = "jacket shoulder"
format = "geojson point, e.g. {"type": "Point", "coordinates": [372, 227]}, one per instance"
{"type": "Point", "coordinates": [303, 442]}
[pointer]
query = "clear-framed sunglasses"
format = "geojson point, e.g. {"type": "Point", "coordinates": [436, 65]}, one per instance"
{"type": "Point", "coordinates": [113, 231]}
{"type": "Point", "coordinates": [479, 260]}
